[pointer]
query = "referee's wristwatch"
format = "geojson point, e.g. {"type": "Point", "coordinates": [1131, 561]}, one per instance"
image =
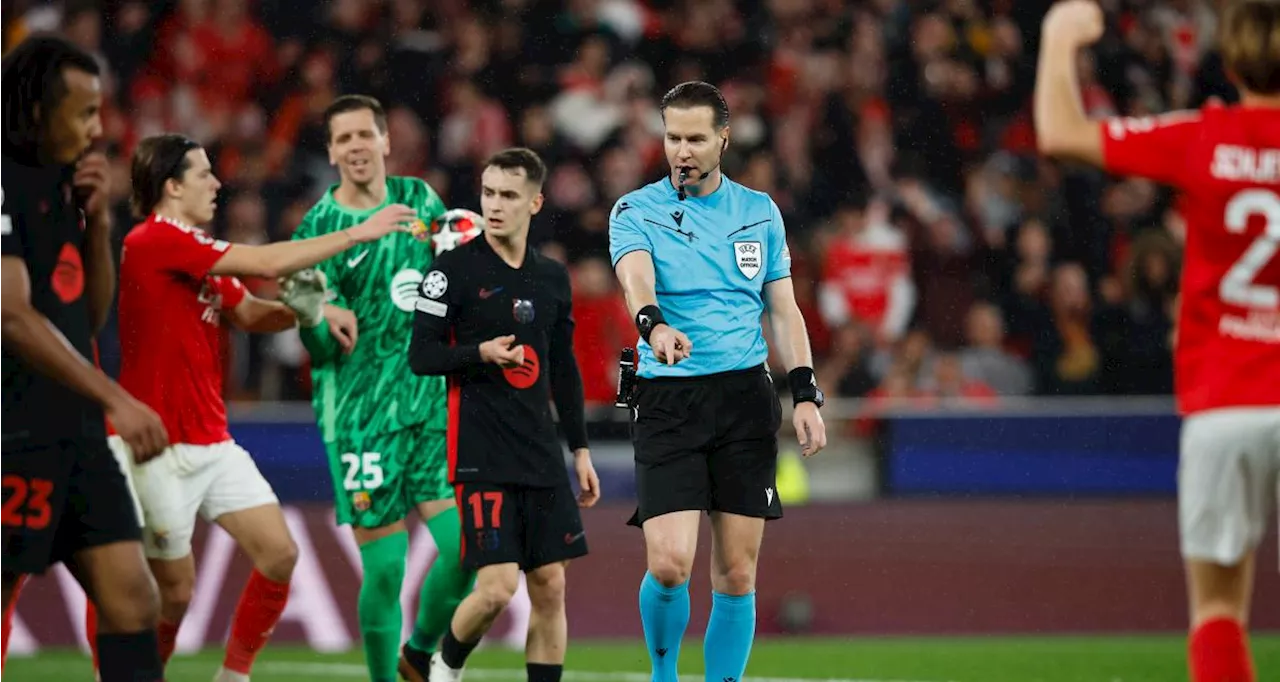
{"type": "Point", "coordinates": [804, 387]}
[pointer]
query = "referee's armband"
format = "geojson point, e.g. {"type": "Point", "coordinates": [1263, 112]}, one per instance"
{"type": "Point", "coordinates": [804, 387]}
{"type": "Point", "coordinates": [649, 317]}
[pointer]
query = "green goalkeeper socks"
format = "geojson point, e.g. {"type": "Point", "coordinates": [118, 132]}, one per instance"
{"type": "Point", "coordinates": [445, 585]}
{"type": "Point", "coordinates": [379, 604]}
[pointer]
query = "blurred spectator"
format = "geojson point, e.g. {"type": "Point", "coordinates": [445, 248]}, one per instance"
{"type": "Point", "coordinates": [603, 327]}
{"type": "Point", "coordinates": [985, 359]}
{"type": "Point", "coordinates": [921, 108]}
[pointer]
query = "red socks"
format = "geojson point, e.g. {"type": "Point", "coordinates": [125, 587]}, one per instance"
{"type": "Point", "coordinates": [260, 607]}
{"type": "Point", "coordinates": [1218, 651]}
{"type": "Point", "coordinates": [166, 639]}
{"type": "Point", "coordinates": [8, 619]}
{"type": "Point", "coordinates": [91, 629]}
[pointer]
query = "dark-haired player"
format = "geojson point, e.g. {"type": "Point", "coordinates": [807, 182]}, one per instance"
{"type": "Point", "coordinates": [495, 317]}
{"type": "Point", "coordinates": [384, 430]}
{"type": "Point", "coordinates": [178, 288]}
{"type": "Point", "coordinates": [65, 498]}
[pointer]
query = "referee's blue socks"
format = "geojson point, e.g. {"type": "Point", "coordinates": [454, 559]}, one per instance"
{"type": "Point", "coordinates": [730, 632]}
{"type": "Point", "coordinates": [664, 611]}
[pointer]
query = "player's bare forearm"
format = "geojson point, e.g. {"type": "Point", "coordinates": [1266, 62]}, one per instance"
{"type": "Point", "coordinates": [99, 271]}
{"type": "Point", "coordinates": [787, 323]}
{"type": "Point", "coordinates": [638, 279]}
{"type": "Point", "coordinates": [282, 258]}
{"type": "Point", "coordinates": [1062, 127]}
{"type": "Point", "coordinates": [257, 316]}
{"type": "Point", "coordinates": [33, 337]}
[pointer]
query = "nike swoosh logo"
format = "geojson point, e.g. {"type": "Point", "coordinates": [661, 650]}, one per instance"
{"type": "Point", "coordinates": [352, 262]}
{"type": "Point", "coordinates": [486, 293]}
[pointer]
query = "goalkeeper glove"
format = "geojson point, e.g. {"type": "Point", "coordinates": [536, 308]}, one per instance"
{"type": "Point", "coordinates": [305, 292]}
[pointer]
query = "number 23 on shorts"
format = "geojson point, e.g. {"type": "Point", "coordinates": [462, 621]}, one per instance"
{"type": "Point", "coordinates": [26, 502]}
{"type": "Point", "coordinates": [364, 471]}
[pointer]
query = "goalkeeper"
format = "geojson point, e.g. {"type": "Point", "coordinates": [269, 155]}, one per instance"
{"type": "Point", "coordinates": [384, 428]}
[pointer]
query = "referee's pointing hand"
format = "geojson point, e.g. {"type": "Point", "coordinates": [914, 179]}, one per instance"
{"type": "Point", "coordinates": [669, 344]}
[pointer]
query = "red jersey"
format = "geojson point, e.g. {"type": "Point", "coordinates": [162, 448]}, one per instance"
{"type": "Point", "coordinates": [1226, 162]}
{"type": "Point", "coordinates": [171, 340]}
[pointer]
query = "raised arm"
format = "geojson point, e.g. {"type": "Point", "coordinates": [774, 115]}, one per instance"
{"type": "Point", "coordinates": [1062, 128]}
{"type": "Point", "coordinates": [282, 258]}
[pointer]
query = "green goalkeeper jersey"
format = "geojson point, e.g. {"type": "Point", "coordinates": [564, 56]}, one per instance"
{"type": "Point", "coordinates": [372, 391]}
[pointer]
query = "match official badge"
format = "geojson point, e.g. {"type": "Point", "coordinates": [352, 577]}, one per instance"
{"type": "Point", "coordinates": [748, 255]}
{"type": "Point", "coordinates": [522, 310]}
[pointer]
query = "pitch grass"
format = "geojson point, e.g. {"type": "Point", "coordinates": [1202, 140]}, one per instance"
{"type": "Point", "coordinates": [1142, 658]}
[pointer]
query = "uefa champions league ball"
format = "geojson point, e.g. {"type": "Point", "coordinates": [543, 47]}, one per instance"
{"type": "Point", "coordinates": [452, 229]}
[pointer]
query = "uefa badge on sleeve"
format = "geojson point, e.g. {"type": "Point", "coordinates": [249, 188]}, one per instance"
{"type": "Point", "coordinates": [522, 310]}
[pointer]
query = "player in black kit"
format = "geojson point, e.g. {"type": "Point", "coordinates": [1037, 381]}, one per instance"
{"type": "Point", "coordinates": [495, 317]}
{"type": "Point", "coordinates": [65, 497]}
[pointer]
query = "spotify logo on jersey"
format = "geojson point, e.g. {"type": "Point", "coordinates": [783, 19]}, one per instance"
{"type": "Point", "coordinates": [404, 288]}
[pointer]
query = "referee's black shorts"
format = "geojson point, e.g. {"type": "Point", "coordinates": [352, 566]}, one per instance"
{"type": "Point", "coordinates": [61, 497]}
{"type": "Point", "coordinates": [707, 443]}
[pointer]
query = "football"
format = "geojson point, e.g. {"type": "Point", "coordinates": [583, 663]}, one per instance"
{"type": "Point", "coordinates": [452, 229]}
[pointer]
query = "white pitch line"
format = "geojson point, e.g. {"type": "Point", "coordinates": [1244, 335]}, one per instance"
{"type": "Point", "coordinates": [495, 675]}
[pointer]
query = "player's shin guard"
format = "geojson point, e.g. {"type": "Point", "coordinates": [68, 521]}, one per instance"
{"type": "Point", "coordinates": [1219, 652]}
{"type": "Point", "coordinates": [132, 657]}
{"type": "Point", "coordinates": [664, 612]}
{"type": "Point", "coordinates": [446, 584]}
{"type": "Point", "coordinates": [378, 608]}
{"type": "Point", "coordinates": [730, 633]}
{"type": "Point", "coordinates": [261, 604]}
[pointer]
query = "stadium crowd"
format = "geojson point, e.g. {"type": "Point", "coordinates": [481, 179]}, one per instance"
{"type": "Point", "coordinates": [935, 255]}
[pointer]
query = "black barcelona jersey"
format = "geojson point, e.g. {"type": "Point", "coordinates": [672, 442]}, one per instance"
{"type": "Point", "coordinates": [501, 428]}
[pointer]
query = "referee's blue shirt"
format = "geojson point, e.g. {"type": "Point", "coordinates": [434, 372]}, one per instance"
{"type": "Point", "coordinates": [712, 256]}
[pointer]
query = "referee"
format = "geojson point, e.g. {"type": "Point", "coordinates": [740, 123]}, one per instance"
{"type": "Point", "coordinates": [700, 258]}
{"type": "Point", "coordinates": [65, 497]}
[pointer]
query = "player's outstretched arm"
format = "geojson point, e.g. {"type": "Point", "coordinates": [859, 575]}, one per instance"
{"type": "Point", "coordinates": [34, 338]}
{"type": "Point", "coordinates": [283, 258]}
{"type": "Point", "coordinates": [259, 316]}
{"type": "Point", "coordinates": [1062, 128]}
{"type": "Point", "coordinates": [792, 337]}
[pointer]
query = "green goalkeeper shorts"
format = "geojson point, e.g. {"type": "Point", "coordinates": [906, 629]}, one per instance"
{"type": "Point", "coordinates": [378, 481]}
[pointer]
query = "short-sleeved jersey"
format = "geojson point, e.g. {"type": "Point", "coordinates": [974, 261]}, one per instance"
{"type": "Point", "coordinates": [172, 341]}
{"type": "Point", "coordinates": [371, 391]}
{"type": "Point", "coordinates": [712, 257]}
{"type": "Point", "coordinates": [42, 225]}
{"type": "Point", "coordinates": [1226, 162]}
{"type": "Point", "coordinates": [501, 428]}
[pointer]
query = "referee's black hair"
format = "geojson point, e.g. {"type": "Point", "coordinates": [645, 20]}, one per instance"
{"type": "Point", "coordinates": [34, 86]}
{"type": "Point", "coordinates": [698, 94]}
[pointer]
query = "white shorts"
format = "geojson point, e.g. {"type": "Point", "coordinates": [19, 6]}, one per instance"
{"type": "Point", "coordinates": [209, 480]}
{"type": "Point", "coordinates": [124, 457]}
{"type": "Point", "coordinates": [1228, 481]}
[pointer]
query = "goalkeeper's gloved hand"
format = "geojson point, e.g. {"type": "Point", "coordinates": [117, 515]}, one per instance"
{"type": "Point", "coordinates": [305, 292]}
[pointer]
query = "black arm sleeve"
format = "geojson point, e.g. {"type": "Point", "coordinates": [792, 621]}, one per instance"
{"type": "Point", "coordinates": [431, 350]}
{"type": "Point", "coordinates": [566, 381]}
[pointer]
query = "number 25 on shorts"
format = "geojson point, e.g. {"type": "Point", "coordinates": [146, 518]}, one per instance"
{"type": "Point", "coordinates": [364, 471]}
{"type": "Point", "coordinates": [26, 502]}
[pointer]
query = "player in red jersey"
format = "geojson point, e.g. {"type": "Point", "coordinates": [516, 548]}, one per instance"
{"type": "Point", "coordinates": [177, 287]}
{"type": "Point", "coordinates": [1226, 162]}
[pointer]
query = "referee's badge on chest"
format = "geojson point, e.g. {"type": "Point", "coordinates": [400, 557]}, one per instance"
{"type": "Point", "coordinates": [748, 255]}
